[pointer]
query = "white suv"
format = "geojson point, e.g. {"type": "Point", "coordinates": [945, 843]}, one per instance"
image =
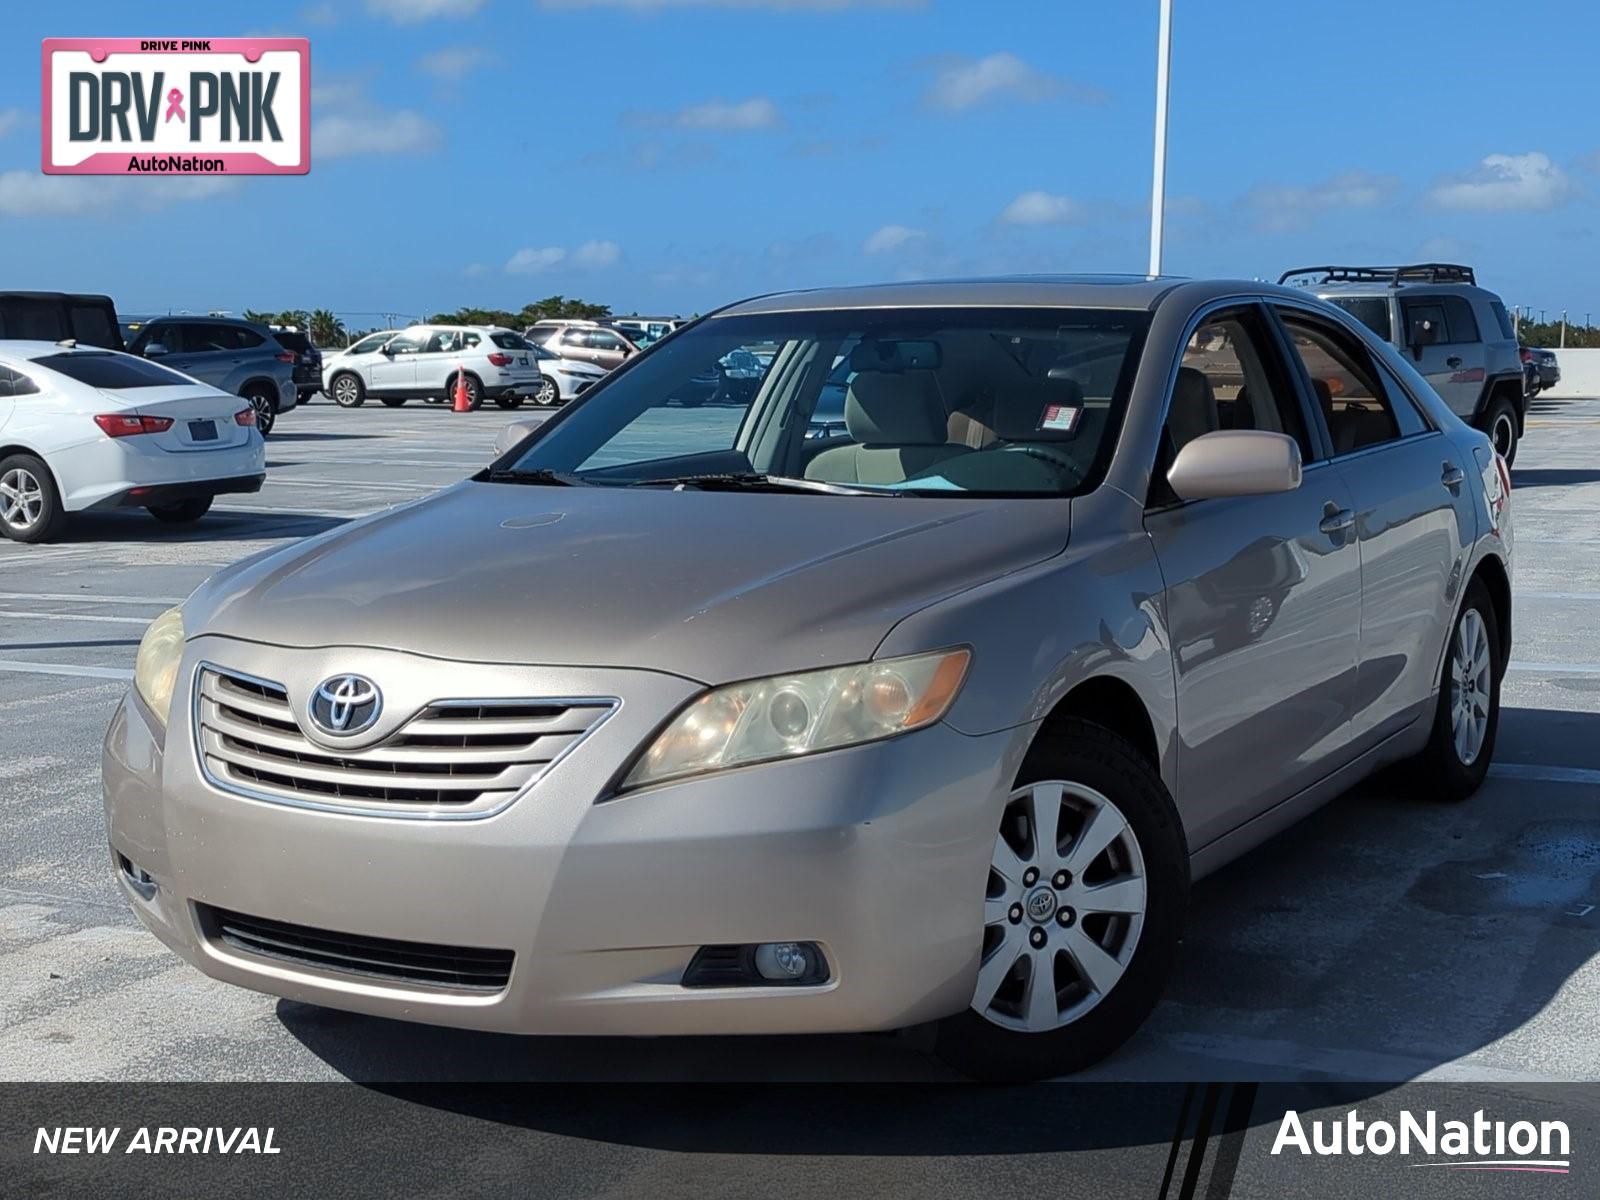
{"type": "Point", "coordinates": [425, 360]}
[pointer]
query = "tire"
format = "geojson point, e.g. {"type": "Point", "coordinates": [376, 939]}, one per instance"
{"type": "Point", "coordinates": [1089, 775]}
{"type": "Point", "coordinates": [393, 401]}
{"type": "Point", "coordinates": [1500, 423]}
{"type": "Point", "coordinates": [474, 392]}
{"type": "Point", "coordinates": [507, 400]}
{"type": "Point", "coordinates": [181, 511]}
{"type": "Point", "coordinates": [266, 408]}
{"type": "Point", "coordinates": [30, 504]}
{"type": "Point", "coordinates": [1448, 768]}
{"type": "Point", "coordinates": [347, 390]}
{"type": "Point", "coordinates": [548, 394]}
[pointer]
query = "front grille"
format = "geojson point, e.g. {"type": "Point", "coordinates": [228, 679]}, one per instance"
{"type": "Point", "coordinates": [454, 758]}
{"type": "Point", "coordinates": [458, 968]}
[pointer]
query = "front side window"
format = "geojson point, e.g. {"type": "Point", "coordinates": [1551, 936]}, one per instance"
{"type": "Point", "coordinates": [1424, 322]}
{"type": "Point", "coordinates": [1371, 311]}
{"type": "Point", "coordinates": [1353, 404]}
{"type": "Point", "coordinates": [370, 343]}
{"type": "Point", "coordinates": [935, 402]}
{"type": "Point", "coordinates": [169, 334]}
{"type": "Point", "coordinates": [410, 342]}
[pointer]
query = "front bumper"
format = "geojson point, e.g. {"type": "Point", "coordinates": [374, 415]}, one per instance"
{"type": "Point", "coordinates": [878, 853]}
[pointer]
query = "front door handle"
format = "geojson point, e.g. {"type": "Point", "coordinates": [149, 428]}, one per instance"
{"type": "Point", "coordinates": [1336, 519]}
{"type": "Point", "coordinates": [1453, 361]}
{"type": "Point", "coordinates": [1453, 475]}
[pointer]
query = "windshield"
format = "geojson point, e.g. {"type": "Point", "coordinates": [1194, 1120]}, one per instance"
{"type": "Point", "coordinates": [984, 401]}
{"type": "Point", "coordinates": [1371, 311]}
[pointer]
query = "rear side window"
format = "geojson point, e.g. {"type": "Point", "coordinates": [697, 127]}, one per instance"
{"type": "Point", "coordinates": [508, 341]}
{"type": "Point", "coordinates": [1461, 326]}
{"type": "Point", "coordinates": [1371, 311]}
{"type": "Point", "coordinates": [1344, 384]}
{"type": "Point", "coordinates": [1507, 329]}
{"type": "Point", "coordinates": [114, 371]}
{"type": "Point", "coordinates": [298, 342]}
{"type": "Point", "coordinates": [14, 383]}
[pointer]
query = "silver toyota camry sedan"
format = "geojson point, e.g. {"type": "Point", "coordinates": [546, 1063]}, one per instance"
{"type": "Point", "coordinates": [677, 720]}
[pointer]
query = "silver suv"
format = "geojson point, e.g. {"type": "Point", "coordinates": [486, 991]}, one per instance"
{"type": "Point", "coordinates": [236, 356]}
{"type": "Point", "coordinates": [1458, 335]}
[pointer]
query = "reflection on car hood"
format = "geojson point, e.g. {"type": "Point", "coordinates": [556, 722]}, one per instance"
{"type": "Point", "coordinates": [712, 586]}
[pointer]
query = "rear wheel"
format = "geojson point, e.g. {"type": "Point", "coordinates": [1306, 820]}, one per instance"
{"type": "Point", "coordinates": [474, 391]}
{"type": "Point", "coordinates": [30, 506]}
{"type": "Point", "coordinates": [548, 392]}
{"type": "Point", "coordinates": [508, 400]}
{"type": "Point", "coordinates": [266, 408]}
{"type": "Point", "coordinates": [348, 391]}
{"type": "Point", "coordinates": [1500, 423]}
{"type": "Point", "coordinates": [181, 511]}
{"type": "Point", "coordinates": [1083, 911]}
{"type": "Point", "coordinates": [1458, 753]}
{"type": "Point", "coordinates": [393, 401]}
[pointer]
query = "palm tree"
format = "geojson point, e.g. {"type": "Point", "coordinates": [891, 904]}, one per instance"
{"type": "Point", "coordinates": [257, 318]}
{"type": "Point", "coordinates": [325, 328]}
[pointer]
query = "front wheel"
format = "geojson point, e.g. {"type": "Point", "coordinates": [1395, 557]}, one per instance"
{"type": "Point", "coordinates": [349, 391]}
{"type": "Point", "coordinates": [181, 511]}
{"type": "Point", "coordinates": [266, 409]}
{"type": "Point", "coordinates": [1459, 750]}
{"type": "Point", "coordinates": [1500, 423]}
{"type": "Point", "coordinates": [548, 393]}
{"type": "Point", "coordinates": [1082, 911]}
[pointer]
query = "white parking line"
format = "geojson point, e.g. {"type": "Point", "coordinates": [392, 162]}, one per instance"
{"type": "Point", "coordinates": [1540, 773]}
{"type": "Point", "coordinates": [1556, 668]}
{"type": "Point", "coordinates": [22, 667]}
{"type": "Point", "coordinates": [84, 598]}
{"type": "Point", "coordinates": [51, 616]}
{"type": "Point", "coordinates": [1535, 595]}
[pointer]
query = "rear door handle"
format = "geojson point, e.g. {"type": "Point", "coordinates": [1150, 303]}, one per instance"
{"type": "Point", "coordinates": [1453, 475]}
{"type": "Point", "coordinates": [1453, 361]}
{"type": "Point", "coordinates": [1336, 519]}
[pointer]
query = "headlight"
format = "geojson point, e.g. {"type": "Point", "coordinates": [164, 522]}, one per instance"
{"type": "Point", "coordinates": [789, 715]}
{"type": "Point", "coordinates": [155, 670]}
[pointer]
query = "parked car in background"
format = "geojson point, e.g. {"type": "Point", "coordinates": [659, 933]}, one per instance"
{"type": "Point", "coordinates": [643, 331]}
{"type": "Point", "coordinates": [1542, 369]}
{"type": "Point", "coordinates": [1457, 334]}
{"type": "Point", "coordinates": [89, 429]}
{"type": "Point", "coordinates": [733, 731]}
{"type": "Point", "coordinates": [564, 378]}
{"type": "Point", "coordinates": [586, 341]}
{"type": "Point", "coordinates": [87, 318]}
{"type": "Point", "coordinates": [424, 362]}
{"type": "Point", "coordinates": [237, 356]}
{"type": "Point", "coordinates": [307, 362]}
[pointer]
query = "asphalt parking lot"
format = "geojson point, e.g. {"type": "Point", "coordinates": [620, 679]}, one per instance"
{"type": "Point", "coordinates": [1386, 938]}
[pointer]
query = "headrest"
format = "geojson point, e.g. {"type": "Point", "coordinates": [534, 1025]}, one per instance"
{"type": "Point", "coordinates": [1324, 395]}
{"type": "Point", "coordinates": [1193, 390]}
{"type": "Point", "coordinates": [898, 408]}
{"type": "Point", "coordinates": [1043, 410]}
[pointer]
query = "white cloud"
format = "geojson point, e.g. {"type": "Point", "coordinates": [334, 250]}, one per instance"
{"type": "Point", "coordinates": [322, 13]}
{"type": "Point", "coordinates": [10, 119]}
{"type": "Point", "coordinates": [757, 112]}
{"type": "Point", "coordinates": [1041, 208]}
{"type": "Point", "coordinates": [343, 135]}
{"type": "Point", "coordinates": [1282, 207]}
{"type": "Point", "coordinates": [890, 238]}
{"type": "Point", "coordinates": [409, 12]}
{"type": "Point", "coordinates": [453, 62]}
{"type": "Point", "coordinates": [1504, 182]}
{"type": "Point", "coordinates": [27, 193]}
{"type": "Point", "coordinates": [597, 254]}
{"type": "Point", "coordinates": [529, 261]}
{"type": "Point", "coordinates": [961, 83]}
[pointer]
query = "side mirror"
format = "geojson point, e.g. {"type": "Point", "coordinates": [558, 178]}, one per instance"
{"type": "Point", "coordinates": [1236, 462]}
{"type": "Point", "coordinates": [154, 350]}
{"type": "Point", "coordinates": [386, 350]}
{"type": "Point", "coordinates": [512, 434]}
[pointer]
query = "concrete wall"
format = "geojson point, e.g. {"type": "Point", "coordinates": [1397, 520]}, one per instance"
{"type": "Point", "coordinates": [1580, 373]}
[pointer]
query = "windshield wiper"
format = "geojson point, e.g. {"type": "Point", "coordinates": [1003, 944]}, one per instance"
{"type": "Point", "coordinates": [752, 481]}
{"type": "Point", "coordinates": [538, 477]}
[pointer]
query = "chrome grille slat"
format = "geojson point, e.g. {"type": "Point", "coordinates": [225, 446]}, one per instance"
{"type": "Point", "coordinates": [464, 758]}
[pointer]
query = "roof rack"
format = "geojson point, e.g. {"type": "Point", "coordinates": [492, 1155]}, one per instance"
{"type": "Point", "coordinates": [1393, 276]}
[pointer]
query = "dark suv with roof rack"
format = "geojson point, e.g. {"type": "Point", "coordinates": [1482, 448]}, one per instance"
{"type": "Point", "coordinates": [1458, 335]}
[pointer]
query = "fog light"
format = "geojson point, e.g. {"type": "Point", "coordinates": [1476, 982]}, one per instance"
{"type": "Point", "coordinates": [784, 960]}
{"type": "Point", "coordinates": [142, 884]}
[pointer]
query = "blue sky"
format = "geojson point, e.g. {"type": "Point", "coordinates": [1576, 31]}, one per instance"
{"type": "Point", "coordinates": [670, 155]}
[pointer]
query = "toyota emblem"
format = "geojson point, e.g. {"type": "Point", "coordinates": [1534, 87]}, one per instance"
{"type": "Point", "coordinates": [345, 705]}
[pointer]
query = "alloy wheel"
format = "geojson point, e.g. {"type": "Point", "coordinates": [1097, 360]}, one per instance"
{"type": "Point", "coordinates": [345, 391]}
{"type": "Point", "coordinates": [548, 393]}
{"type": "Point", "coordinates": [1503, 434]}
{"type": "Point", "coordinates": [265, 416]}
{"type": "Point", "coordinates": [21, 499]}
{"type": "Point", "coordinates": [1064, 907]}
{"type": "Point", "coordinates": [1471, 687]}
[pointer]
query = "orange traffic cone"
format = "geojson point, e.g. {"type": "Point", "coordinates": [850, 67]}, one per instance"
{"type": "Point", "coordinates": [463, 397]}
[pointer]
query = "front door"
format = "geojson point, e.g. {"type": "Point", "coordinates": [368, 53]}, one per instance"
{"type": "Point", "coordinates": [1414, 519]}
{"type": "Point", "coordinates": [1263, 592]}
{"type": "Point", "coordinates": [394, 370]}
{"type": "Point", "coordinates": [1442, 336]}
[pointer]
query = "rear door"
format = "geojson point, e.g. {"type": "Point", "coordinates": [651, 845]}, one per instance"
{"type": "Point", "coordinates": [1263, 592]}
{"type": "Point", "coordinates": [1442, 336]}
{"type": "Point", "coordinates": [436, 361]}
{"type": "Point", "coordinates": [1414, 519]}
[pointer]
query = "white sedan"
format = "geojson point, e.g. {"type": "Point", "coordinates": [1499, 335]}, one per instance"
{"type": "Point", "coordinates": [564, 378]}
{"type": "Point", "coordinates": [85, 429]}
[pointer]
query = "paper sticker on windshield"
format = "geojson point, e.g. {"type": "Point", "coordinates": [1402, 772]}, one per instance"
{"type": "Point", "coordinates": [1060, 418]}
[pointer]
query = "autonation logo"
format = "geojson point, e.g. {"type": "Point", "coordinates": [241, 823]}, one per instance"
{"type": "Point", "coordinates": [1476, 1145]}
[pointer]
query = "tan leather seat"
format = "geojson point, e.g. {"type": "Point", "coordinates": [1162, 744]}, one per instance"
{"type": "Point", "coordinates": [898, 420]}
{"type": "Point", "coordinates": [1194, 408]}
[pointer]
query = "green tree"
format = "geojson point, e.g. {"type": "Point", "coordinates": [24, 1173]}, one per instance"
{"type": "Point", "coordinates": [325, 328]}
{"type": "Point", "coordinates": [258, 318]}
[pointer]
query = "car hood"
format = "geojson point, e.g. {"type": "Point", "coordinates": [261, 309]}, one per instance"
{"type": "Point", "coordinates": [712, 586]}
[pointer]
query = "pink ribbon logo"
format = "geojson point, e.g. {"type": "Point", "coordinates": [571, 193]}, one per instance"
{"type": "Point", "coordinates": [175, 105]}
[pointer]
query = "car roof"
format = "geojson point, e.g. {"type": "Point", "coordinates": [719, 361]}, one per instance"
{"type": "Point", "coordinates": [1133, 292]}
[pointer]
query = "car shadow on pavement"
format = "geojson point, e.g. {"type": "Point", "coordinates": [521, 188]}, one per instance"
{"type": "Point", "coordinates": [220, 525]}
{"type": "Point", "coordinates": [1386, 935]}
{"type": "Point", "coordinates": [1552, 477]}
